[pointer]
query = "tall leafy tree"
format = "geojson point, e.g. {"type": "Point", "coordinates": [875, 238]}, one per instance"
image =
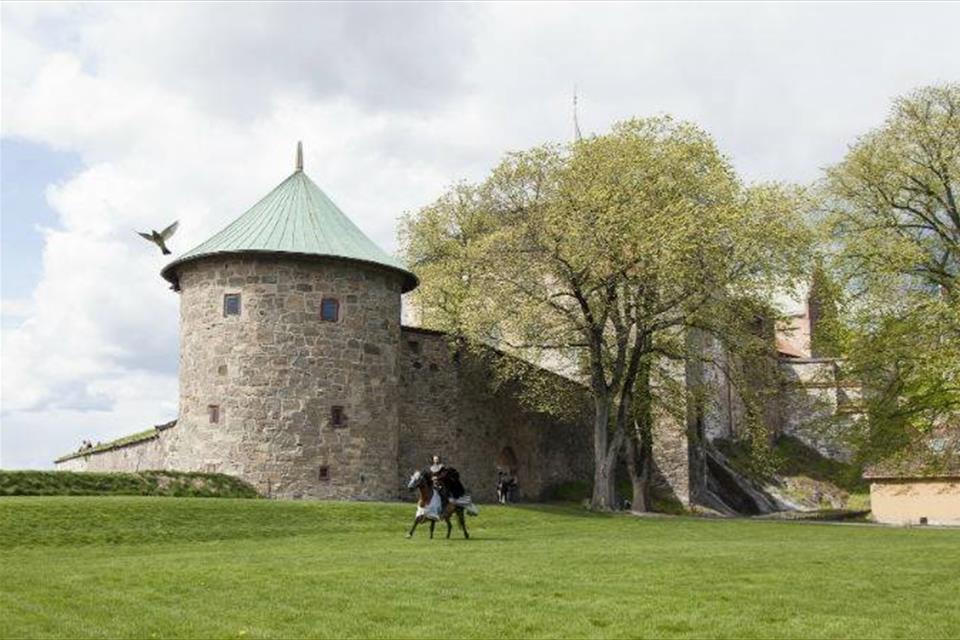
{"type": "Point", "coordinates": [895, 218]}
{"type": "Point", "coordinates": [595, 257]}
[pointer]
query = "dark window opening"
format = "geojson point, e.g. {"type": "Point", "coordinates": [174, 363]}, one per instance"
{"type": "Point", "coordinates": [231, 304]}
{"type": "Point", "coordinates": [337, 418]}
{"type": "Point", "coordinates": [330, 310]}
{"type": "Point", "coordinates": [414, 346]}
{"type": "Point", "coordinates": [214, 411]}
{"type": "Point", "coordinates": [324, 474]}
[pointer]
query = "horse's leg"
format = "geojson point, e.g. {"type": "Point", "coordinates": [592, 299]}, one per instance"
{"type": "Point", "coordinates": [416, 521]}
{"type": "Point", "coordinates": [433, 523]}
{"type": "Point", "coordinates": [463, 524]}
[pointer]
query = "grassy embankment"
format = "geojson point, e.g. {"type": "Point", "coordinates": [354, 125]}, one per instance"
{"type": "Point", "coordinates": [178, 567]}
{"type": "Point", "coordinates": [807, 477]}
{"type": "Point", "coordinates": [181, 484]}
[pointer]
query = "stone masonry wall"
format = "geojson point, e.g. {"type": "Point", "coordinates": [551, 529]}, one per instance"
{"type": "Point", "coordinates": [277, 369]}
{"type": "Point", "coordinates": [816, 407]}
{"type": "Point", "coordinates": [146, 455]}
{"type": "Point", "coordinates": [671, 457]}
{"type": "Point", "coordinates": [449, 409]}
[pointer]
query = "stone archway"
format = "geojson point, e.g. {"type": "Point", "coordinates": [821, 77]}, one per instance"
{"type": "Point", "coordinates": [507, 461]}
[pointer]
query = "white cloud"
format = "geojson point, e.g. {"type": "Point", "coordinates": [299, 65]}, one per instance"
{"type": "Point", "coordinates": [137, 402]}
{"type": "Point", "coordinates": [191, 112]}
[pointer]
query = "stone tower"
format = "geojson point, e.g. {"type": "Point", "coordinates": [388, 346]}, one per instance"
{"type": "Point", "coordinates": [289, 339]}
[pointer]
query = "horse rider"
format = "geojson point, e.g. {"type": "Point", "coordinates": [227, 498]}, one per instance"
{"type": "Point", "coordinates": [446, 480]}
{"type": "Point", "coordinates": [458, 493]}
{"type": "Point", "coordinates": [435, 468]}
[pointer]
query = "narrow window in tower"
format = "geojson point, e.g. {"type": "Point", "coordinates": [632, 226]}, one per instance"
{"type": "Point", "coordinates": [330, 310]}
{"type": "Point", "coordinates": [324, 473]}
{"type": "Point", "coordinates": [337, 418]}
{"type": "Point", "coordinates": [214, 411]}
{"type": "Point", "coordinates": [231, 304]}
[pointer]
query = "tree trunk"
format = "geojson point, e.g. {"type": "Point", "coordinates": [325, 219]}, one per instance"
{"type": "Point", "coordinates": [640, 440]}
{"type": "Point", "coordinates": [603, 486]}
{"type": "Point", "coordinates": [639, 470]}
{"type": "Point", "coordinates": [603, 480]}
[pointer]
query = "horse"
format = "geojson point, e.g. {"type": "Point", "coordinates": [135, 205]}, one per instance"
{"type": "Point", "coordinates": [431, 506]}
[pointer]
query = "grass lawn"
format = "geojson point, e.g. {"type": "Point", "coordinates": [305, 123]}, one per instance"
{"type": "Point", "coordinates": [135, 567]}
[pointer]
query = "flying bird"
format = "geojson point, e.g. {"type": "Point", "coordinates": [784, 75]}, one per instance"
{"type": "Point", "coordinates": [160, 239]}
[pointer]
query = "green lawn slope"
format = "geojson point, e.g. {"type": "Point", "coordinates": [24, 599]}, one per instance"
{"type": "Point", "coordinates": [125, 567]}
{"type": "Point", "coordinates": [181, 484]}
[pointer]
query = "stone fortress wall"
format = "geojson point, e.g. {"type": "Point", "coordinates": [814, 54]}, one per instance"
{"type": "Point", "coordinates": [275, 372]}
{"type": "Point", "coordinates": [817, 405]}
{"type": "Point", "coordinates": [143, 455]}
{"type": "Point", "coordinates": [812, 403]}
{"type": "Point", "coordinates": [449, 408]}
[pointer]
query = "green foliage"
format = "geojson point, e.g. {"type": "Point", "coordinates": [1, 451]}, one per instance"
{"type": "Point", "coordinates": [142, 483]}
{"type": "Point", "coordinates": [802, 473]}
{"type": "Point", "coordinates": [895, 224]}
{"type": "Point", "coordinates": [824, 298]}
{"type": "Point", "coordinates": [186, 568]}
{"type": "Point", "coordinates": [792, 457]}
{"type": "Point", "coordinates": [795, 459]}
{"type": "Point", "coordinates": [595, 258]}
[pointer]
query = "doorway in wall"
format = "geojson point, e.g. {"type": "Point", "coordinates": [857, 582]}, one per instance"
{"type": "Point", "coordinates": [507, 482]}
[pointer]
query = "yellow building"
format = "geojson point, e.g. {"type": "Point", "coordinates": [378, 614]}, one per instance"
{"type": "Point", "coordinates": [918, 489]}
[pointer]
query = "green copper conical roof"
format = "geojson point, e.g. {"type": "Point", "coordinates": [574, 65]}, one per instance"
{"type": "Point", "coordinates": [298, 218]}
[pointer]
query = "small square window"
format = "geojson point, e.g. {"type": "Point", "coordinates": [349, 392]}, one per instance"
{"type": "Point", "coordinates": [324, 474]}
{"type": "Point", "coordinates": [231, 304]}
{"type": "Point", "coordinates": [330, 310]}
{"type": "Point", "coordinates": [414, 346]}
{"type": "Point", "coordinates": [337, 417]}
{"type": "Point", "coordinates": [214, 411]}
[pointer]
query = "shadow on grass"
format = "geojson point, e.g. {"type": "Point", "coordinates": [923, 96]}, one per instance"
{"type": "Point", "coordinates": [472, 539]}
{"type": "Point", "coordinates": [572, 509]}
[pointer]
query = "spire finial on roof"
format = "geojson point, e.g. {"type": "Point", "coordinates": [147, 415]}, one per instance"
{"type": "Point", "coordinates": [299, 156]}
{"type": "Point", "coordinates": [577, 136]}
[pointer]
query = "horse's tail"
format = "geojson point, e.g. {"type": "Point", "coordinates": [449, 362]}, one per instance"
{"type": "Point", "coordinates": [468, 505]}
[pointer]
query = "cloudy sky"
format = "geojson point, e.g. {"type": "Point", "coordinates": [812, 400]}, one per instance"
{"type": "Point", "coordinates": [118, 117]}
